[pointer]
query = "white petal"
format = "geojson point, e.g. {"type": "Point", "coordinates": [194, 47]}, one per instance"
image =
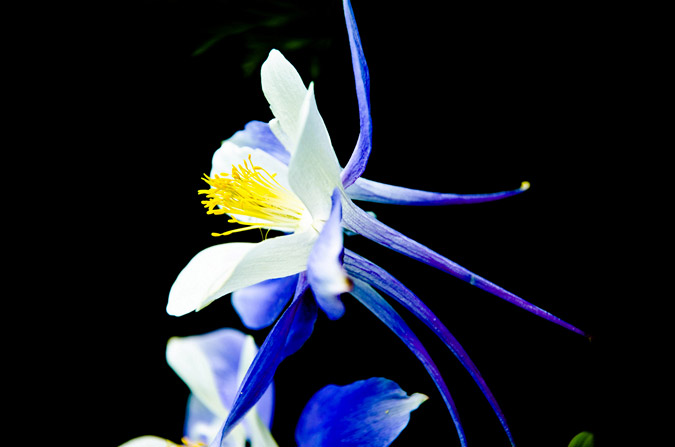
{"type": "Point", "coordinates": [272, 258]}
{"type": "Point", "coordinates": [278, 132]}
{"type": "Point", "coordinates": [221, 269]}
{"type": "Point", "coordinates": [248, 352]}
{"type": "Point", "coordinates": [314, 170]}
{"type": "Point", "coordinates": [148, 441]}
{"type": "Point", "coordinates": [285, 92]}
{"type": "Point", "coordinates": [205, 274]}
{"type": "Point", "coordinates": [185, 357]}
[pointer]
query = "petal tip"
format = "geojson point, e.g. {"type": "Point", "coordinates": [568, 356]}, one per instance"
{"type": "Point", "coordinates": [176, 310]}
{"type": "Point", "coordinates": [275, 53]}
{"type": "Point", "coordinates": [418, 399]}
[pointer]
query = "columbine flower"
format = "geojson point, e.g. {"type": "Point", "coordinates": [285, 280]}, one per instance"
{"type": "Point", "coordinates": [213, 366]}
{"type": "Point", "coordinates": [369, 412]}
{"type": "Point", "coordinates": [284, 175]}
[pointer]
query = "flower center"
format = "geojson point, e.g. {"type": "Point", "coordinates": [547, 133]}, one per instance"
{"type": "Point", "coordinates": [253, 198]}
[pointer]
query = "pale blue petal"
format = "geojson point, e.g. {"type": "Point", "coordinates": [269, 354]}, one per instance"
{"type": "Point", "coordinates": [361, 268]}
{"type": "Point", "coordinates": [201, 425]}
{"type": "Point", "coordinates": [325, 273]}
{"type": "Point", "coordinates": [359, 159]}
{"type": "Point", "coordinates": [261, 304]}
{"type": "Point", "coordinates": [369, 413]}
{"type": "Point", "coordinates": [370, 191]}
{"type": "Point", "coordinates": [258, 135]}
{"type": "Point", "coordinates": [382, 310]}
{"type": "Point", "coordinates": [357, 220]}
{"type": "Point", "coordinates": [222, 350]}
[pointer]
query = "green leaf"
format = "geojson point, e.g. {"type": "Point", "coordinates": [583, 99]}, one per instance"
{"type": "Point", "coordinates": [583, 439]}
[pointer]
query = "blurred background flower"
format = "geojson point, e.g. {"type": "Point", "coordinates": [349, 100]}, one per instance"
{"type": "Point", "coordinates": [257, 27]}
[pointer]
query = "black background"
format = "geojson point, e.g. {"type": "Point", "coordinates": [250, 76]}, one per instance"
{"type": "Point", "coordinates": [465, 100]}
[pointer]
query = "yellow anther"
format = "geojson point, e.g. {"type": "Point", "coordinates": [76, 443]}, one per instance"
{"type": "Point", "coordinates": [250, 191]}
{"type": "Point", "coordinates": [187, 443]}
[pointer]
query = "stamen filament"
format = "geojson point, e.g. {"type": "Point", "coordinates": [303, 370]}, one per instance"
{"type": "Point", "coordinates": [251, 191]}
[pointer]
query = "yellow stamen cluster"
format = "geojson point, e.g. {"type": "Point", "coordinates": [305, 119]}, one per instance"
{"type": "Point", "coordinates": [251, 191]}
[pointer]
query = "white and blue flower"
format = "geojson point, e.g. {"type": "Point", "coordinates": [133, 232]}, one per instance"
{"type": "Point", "coordinates": [284, 175]}
{"type": "Point", "coordinates": [213, 366]}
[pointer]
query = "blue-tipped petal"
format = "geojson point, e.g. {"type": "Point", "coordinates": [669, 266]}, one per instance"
{"type": "Point", "coordinates": [382, 310]}
{"type": "Point", "coordinates": [325, 273]}
{"type": "Point", "coordinates": [370, 191]}
{"type": "Point", "coordinates": [357, 220]}
{"type": "Point", "coordinates": [361, 268]}
{"type": "Point", "coordinates": [359, 158]}
{"type": "Point", "coordinates": [258, 135]}
{"type": "Point", "coordinates": [261, 304]}
{"type": "Point", "coordinates": [370, 412]}
{"type": "Point", "coordinates": [290, 331]}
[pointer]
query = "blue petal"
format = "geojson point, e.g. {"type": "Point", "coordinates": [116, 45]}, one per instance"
{"type": "Point", "coordinates": [370, 191]}
{"type": "Point", "coordinates": [325, 273]}
{"type": "Point", "coordinates": [369, 412]}
{"type": "Point", "coordinates": [258, 135]}
{"type": "Point", "coordinates": [288, 334]}
{"type": "Point", "coordinates": [359, 159]}
{"type": "Point", "coordinates": [303, 321]}
{"type": "Point", "coordinates": [261, 304]}
{"type": "Point", "coordinates": [357, 220]}
{"type": "Point", "coordinates": [382, 310]}
{"type": "Point", "coordinates": [365, 270]}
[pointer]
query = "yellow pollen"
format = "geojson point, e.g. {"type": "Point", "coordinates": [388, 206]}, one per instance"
{"type": "Point", "coordinates": [251, 191]}
{"type": "Point", "coordinates": [187, 443]}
